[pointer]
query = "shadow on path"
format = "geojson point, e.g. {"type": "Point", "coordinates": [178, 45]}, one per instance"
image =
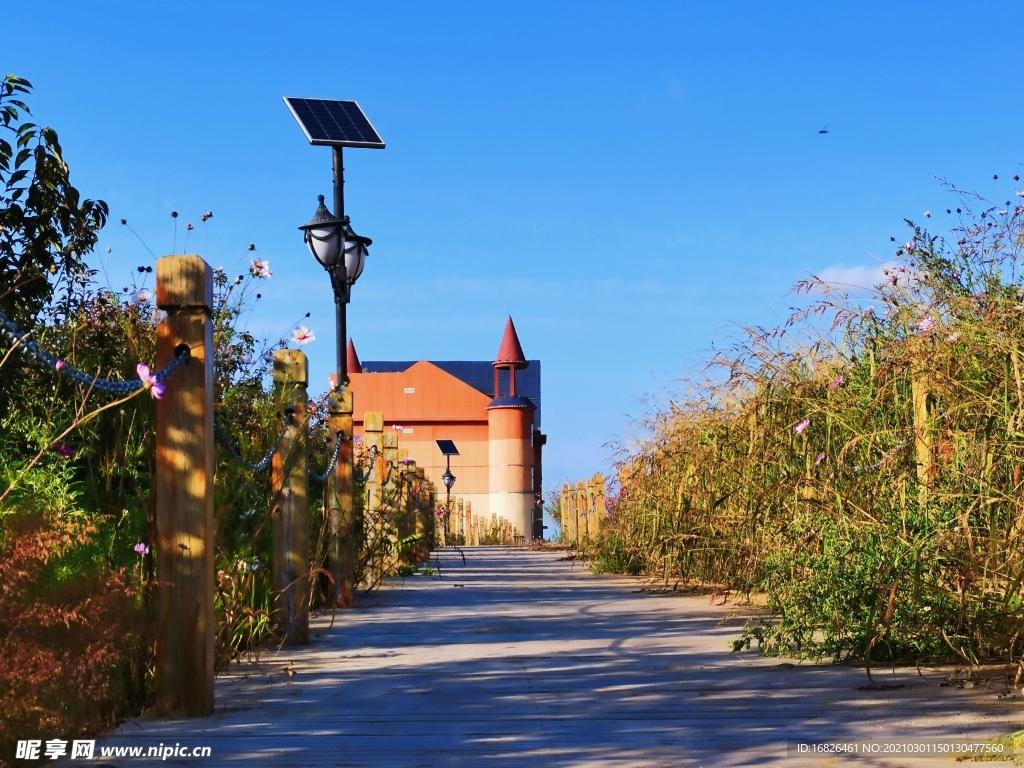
{"type": "Point", "coordinates": [520, 658]}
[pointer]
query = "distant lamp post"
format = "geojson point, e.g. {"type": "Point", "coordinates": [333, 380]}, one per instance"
{"type": "Point", "coordinates": [448, 449]}
{"type": "Point", "coordinates": [449, 479]}
{"type": "Point", "coordinates": [343, 254]}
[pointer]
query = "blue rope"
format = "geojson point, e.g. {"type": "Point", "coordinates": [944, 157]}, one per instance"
{"type": "Point", "coordinates": [263, 463]}
{"type": "Point", "coordinates": [115, 386]}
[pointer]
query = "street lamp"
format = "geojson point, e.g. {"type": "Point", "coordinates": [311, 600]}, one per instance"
{"type": "Point", "coordinates": [340, 251]}
{"type": "Point", "coordinates": [343, 254]}
{"type": "Point", "coordinates": [448, 449]}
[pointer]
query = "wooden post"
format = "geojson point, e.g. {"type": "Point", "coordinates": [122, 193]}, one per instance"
{"type": "Point", "coordinates": [339, 502]}
{"type": "Point", "coordinates": [600, 511]}
{"type": "Point", "coordinates": [581, 514]}
{"type": "Point", "coordinates": [922, 431]}
{"type": "Point", "coordinates": [424, 514]}
{"type": "Point", "coordinates": [391, 511]}
{"type": "Point", "coordinates": [569, 523]}
{"type": "Point", "coordinates": [289, 512]}
{"type": "Point", "coordinates": [429, 503]}
{"type": "Point", "coordinates": [469, 522]}
{"type": "Point", "coordinates": [406, 507]}
{"type": "Point", "coordinates": [183, 490]}
{"type": "Point", "coordinates": [373, 437]}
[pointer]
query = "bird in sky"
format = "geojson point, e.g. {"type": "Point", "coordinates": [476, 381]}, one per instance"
{"type": "Point", "coordinates": [824, 130]}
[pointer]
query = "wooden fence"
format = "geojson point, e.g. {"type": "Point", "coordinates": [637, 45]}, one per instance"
{"type": "Point", "coordinates": [582, 511]}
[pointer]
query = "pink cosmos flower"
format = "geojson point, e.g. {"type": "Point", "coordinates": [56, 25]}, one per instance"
{"type": "Point", "coordinates": [821, 458]}
{"type": "Point", "coordinates": [953, 338]}
{"type": "Point", "coordinates": [926, 325]}
{"type": "Point", "coordinates": [910, 247]}
{"type": "Point", "coordinates": [141, 297]}
{"type": "Point", "coordinates": [60, 365]}
{"type": "Point", "coordinates": [302, 336]}
{"type": "Point", "coordinates": [141, 548]}
{"type": "Point", "coordinates": [149, 381]}
{"type": "Point", "coordinates": [799, 428]}
{"type": "Point", "coordinates": [64, 450]}
{"type": "Point", "coordinates": [837, 382]}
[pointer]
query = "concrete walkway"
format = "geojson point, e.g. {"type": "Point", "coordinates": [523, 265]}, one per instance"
{"type": "Point", "coordinates": [519, 658]}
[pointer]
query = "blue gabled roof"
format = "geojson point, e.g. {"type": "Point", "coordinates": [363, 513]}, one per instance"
{"type": "Point", "coordinates": [479, 374]}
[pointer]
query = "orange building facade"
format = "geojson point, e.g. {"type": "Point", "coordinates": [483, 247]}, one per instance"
{"type": "Point", "coordinates": [491, 410]}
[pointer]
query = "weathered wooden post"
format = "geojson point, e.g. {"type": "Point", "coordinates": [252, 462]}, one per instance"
{"type": "Point", "coordinates": [469, 522]}
{"type": "Point", "coordinates": [339, 501]}
{"type": "Point", "coordinates": [563, 513]}
{"type": "Point", "coordinates": [922, 430]}
{"type": "Point", "coordinates": [289, 513]}
{"type": "Point", "coordinates": [392, 510]}
{"type": "Point", "coordinates": [600, 511]}
{"type": "Point", "coordinates": [581, 515]}
{"type": "Point", "coordinates": [373, 438]}
{"type": "Point", "coordinates": [406, 523]}
{"type": "Point", "coordinates": [429, 506]}
{"type": "Point", "coordinates": [418, 495]}
{"type": "Point", "coordinates": [183, 490]}
{"type": "Point", "coordinates": [569, 524]}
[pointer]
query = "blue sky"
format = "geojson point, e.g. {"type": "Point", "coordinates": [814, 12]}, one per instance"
{"type": "Point", "coordinates": [626, 179]}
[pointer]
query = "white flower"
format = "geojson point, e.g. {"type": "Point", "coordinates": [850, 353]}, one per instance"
{"type": "Point", "coordinates": [260, 268]}
{"type": "Point", "coordinates": [302, 336]}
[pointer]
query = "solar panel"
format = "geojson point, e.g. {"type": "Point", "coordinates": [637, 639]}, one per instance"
{"type": "Point", "coordinates": [447, 447]}
{"type": "Point", "coordinates": [334, 123]}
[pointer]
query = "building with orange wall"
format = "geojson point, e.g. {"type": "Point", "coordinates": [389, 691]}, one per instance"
{"type": "Point", "coordinates": [491, 410]}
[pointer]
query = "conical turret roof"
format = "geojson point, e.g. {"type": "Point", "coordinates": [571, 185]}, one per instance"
{"type": "Point", "coordinates": [352, 359]}
{"type": "Point", "coordinates": [511, 351]}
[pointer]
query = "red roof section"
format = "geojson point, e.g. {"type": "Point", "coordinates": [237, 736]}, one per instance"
{"type": "Point", "coordinates": [352, 359]}
{"type": "Point", "coordinates": [511, 351]}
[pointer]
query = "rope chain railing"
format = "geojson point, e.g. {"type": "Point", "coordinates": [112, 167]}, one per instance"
{"type": "Point", "coordinates": [114, 386]}
{"type": "Point", "coordinates": [369, 463]}
{"type": "Point", "coordinates": [333, 463]}
{"type": "Point", "coordinates": [262, 464]}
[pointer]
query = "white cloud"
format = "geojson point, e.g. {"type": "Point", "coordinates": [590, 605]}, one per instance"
{"type": "Point", "coordinates": [856, 278]}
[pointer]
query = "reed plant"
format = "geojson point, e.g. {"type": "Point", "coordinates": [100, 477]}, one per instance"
{"type": "Point", "coordinates": [860, 465]}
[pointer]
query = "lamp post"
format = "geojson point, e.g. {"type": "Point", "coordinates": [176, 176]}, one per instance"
{"type": "Point", "coordinates": [448, 449]}
{"type": "Point", "coordinates": [340, 251]}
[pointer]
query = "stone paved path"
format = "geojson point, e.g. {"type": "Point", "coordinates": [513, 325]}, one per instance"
{"type": "Point", "coordinates": [519, 658]}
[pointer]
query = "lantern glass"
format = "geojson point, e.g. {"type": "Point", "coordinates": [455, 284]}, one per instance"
{"type": "Point", "coordinates": [325, 245]}
{"type": "Point", "coordinates": [355, 259]}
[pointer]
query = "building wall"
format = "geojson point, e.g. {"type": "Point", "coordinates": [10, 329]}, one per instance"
{"type": "Point", "coordinates": [439, 406]}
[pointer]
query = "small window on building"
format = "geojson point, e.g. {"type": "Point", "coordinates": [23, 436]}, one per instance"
{"type": "Point", "coordinates": [409, 390]}
{"type": "Point", "coordinates": [533, 480]}
{"type": "Point", "coordinates": [407, 430]}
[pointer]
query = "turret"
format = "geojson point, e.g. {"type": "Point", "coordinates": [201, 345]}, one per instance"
{"type": "Point", "coordinates": [510, 439]}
